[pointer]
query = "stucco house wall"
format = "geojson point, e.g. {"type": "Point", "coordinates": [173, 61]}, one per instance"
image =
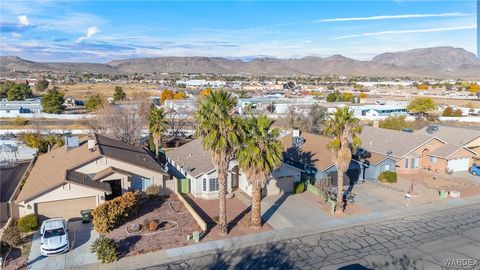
{"type": "Point", "coordinates": [64, 192]}
{"type": "Point", "coordinates": [373, 171]}
{"type": "Point", "coordinates": [440, 165]}
{"type": "Point", "coordinates": [420, 155]}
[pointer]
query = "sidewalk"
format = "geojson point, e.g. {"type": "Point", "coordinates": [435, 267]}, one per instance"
{"type": "Point", "coordinates": [170, 255]}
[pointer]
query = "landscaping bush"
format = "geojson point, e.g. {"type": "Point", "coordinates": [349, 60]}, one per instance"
{"type": "Point", "coordinates": [28, 223]}
{"type": "Point", "coordinates": [299, 187]}
{"type": "Point", "coordinates": [113, 213]}
{"type": "Point", "coordinates": [153, 225]}
{"type": "Point", "coordinates": [105, 248]}
{"type": "Point", "coordinates": [11, 236]}
{"type": "Point", "coordinates": [153, 191]}
{"type": "Point", "coordinates": [388, 176]}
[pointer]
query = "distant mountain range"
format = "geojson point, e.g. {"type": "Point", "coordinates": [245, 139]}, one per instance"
{"type": "Point", "coordinates": [437, 62]}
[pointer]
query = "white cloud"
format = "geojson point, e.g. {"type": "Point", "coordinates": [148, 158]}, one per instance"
{"type": "Point", "coordinates": [411, 31]}
{"type": "Point", "coordinates": [390, 17]}
{"type": "Point", "coordinates": [23, 20]}
{"type": "Point", "coordinates": [16, 35]}
{"type": "Point", "coordinates": [90, 32]}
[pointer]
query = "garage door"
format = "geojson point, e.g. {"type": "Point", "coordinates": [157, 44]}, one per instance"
{"type": "Point", "coordinates": [65, 208]}
{"type": "Point", "coordinates": [458, 165]}
{"type": "Point", "coordinates": [280, 185]}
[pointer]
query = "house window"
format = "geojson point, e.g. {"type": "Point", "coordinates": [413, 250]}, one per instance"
{"type": "Point", "coordinates": [204, 186]}
{"type": "Point", "coordinates": [142, 184]}
{"type": "Point", "coordinates": [213, 184]}
{"type": "Point", "coordinates": [386, 167]}
{"type": "Point", "coordinates": [414, 163]}
{"type": "Point", "coordinates": [406, 163]}
{"type": "Point", "coordinates": [433, 159]}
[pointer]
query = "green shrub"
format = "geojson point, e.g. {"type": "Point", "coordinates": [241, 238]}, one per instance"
{"type": "Point", "coordinates": [28, 223]}
{"type": "Point", "coordinates": [313, 189]}
{"type": "Point", "coordinates": [153, 191]}
{"type": "Point", "coordinates": [388, 176]}
{"type": "Point", "coordinates": [113, 213]}
{"type": "Point", "coordinates": [299, 187]}
{"type": "Point", "coordinates": [105, 248]}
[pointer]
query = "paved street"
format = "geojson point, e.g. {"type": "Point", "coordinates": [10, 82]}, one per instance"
{"type": "Point", "coordinates": [423, 241]}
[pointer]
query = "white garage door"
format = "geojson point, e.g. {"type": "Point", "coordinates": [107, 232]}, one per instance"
{"type": "Point", "coordinates": [65, 208]}
{"type": "Point", "coordinates": [458, 165]}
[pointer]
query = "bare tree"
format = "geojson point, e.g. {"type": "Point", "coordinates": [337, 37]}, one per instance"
{"type": "Point", "coordinates": [176, 121]}
{"type": "Point", "coordinates": [122, 122]}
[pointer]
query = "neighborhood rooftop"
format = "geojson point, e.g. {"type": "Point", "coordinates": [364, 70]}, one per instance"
{"type": "Point", "coordinates": [397, 143]}
{"type": "Point", "coordinates": [193, 157]}
{"type": "Point", "coordinates": [453, 135]}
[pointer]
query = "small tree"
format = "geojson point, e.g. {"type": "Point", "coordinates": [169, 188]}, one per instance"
{"type": "Point", "coordinates": [421, 105]}
{"type": "Point", "coordinates": [395, 123]}
{"type": "Point", "coordinates": [94, 103]}
{"type": "Point", "coordinates": [332, 97]}
{"type": "Point", "coordinates": [52, 101]}
{"type": "Point", "coordinates": [448, 112]}
{"type": "Point", "coordinates": [457, 113]}
{"type": "Point", "coordinates": [28, 223]}
{"type": "Point", "coordinates": [41, 85]}
{"type": "Point", "coordinates": [19, 91]}
{"type": "Point", "coordinates": [119, 94]}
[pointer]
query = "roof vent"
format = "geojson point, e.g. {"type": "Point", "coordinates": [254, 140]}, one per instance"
{"type": "Point", "coordinates": [389, 152]}
{"type": "Point", "coordinates": [432, 129]}
{"type": "Point", "coordinates": [71, 142]}
{"type": "Point", "coordinates": [298, 141]}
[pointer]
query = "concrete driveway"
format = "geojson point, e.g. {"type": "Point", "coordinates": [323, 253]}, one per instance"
{"type": "Point", "coordinates": [286, 211]}
{"type": "Point", "coordinates": [81, 237]}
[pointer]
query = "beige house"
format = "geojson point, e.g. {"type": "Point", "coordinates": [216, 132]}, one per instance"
{"type": "Point", "coordinates": [81, 176]}
{"type": "Point", "coordinates": [415, 151]}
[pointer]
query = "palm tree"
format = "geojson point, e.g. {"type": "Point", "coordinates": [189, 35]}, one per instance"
{"type": "Point", "coordinates": [344, 128]}
{"type": "Point", "coordinates": [158, 125]}
{"type": "Point", "coordinates": [217, 128]}
{"type": "Point", "coordinates": [260, 153]}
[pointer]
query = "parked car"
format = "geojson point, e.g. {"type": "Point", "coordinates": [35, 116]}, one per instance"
{"type": "Point", "coordinates": [54, 237]}
{"type": "Point", "coordinates": [475, 169]}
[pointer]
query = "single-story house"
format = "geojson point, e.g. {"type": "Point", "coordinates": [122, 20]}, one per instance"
{"type": "Point", "coordinates": [191, 161]}
{"type": "Point", "coordinates": [10, 178]}
{"type": "Point", "coordinates": [12, 108]}
{"type": "Point", "coordinates": [467, 137]}
{"type": "Point", "coordinates": [411, 151]}
{"type": "Point", "coordinates": [308, 152]}
{"type": "Point", "coordinates": [85, 173]}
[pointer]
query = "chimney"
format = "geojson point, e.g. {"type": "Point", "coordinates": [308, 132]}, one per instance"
{"type": "Point", "coordinates": [71, 142]}
{"type": "Point", "coordinates": [376, 124]}
{"type": "Point", "coordinates": [91, 144]}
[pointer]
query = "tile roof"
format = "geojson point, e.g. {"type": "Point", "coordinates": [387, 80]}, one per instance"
{"type": "Point", "coordinates": [453, 135]}
{"type": "Point", "coordinates": [313, 152]}
{"type": "Point", "coordinates": [447, 150]}
{"type": "Point", "coordinates": [192, 157]}
{"type": "Point", "coordinates": [376, 158]}
{"type": "Point", "coordinates": [85, 180]}
{"type": "Point", "coordinates": [51, 169]}
{"type": "Point", "coordinates": [399, 143]}
{"type": "Point", "coordinates": [125, 152]}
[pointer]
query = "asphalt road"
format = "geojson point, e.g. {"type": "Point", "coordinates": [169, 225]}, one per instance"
{"type": "Point", "coordinates": [446, 239]}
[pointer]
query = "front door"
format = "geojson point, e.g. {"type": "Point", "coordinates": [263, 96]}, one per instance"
{"type": "Point", "coordinates": [116, 186]}
{"type": "Point", "coordinates": [235, 175]}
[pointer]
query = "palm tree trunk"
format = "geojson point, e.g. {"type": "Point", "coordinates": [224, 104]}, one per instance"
{"type": "Point", "coordinates": [222, 201]}
{"type": "Point", "coordinates": [256, 221]}
{"type": "Point", "coordinates": [339, 189]}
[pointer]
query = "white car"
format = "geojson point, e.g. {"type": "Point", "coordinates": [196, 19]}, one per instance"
{"type": "Point", "coordinates": [54, 237]}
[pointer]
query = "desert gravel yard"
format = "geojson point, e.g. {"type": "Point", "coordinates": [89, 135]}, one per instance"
{"type": "Point", "coordinates": [174, 224]}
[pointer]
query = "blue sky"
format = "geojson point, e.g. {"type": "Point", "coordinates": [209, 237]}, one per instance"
{"type": "Point", "coordinates": [100, 31]}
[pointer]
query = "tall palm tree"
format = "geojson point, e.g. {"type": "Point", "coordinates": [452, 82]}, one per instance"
{"type": "Point", "coordinates": [344, 128]}
{"type": "Point", "coordinates": [217, 128]}
{"type": "Point", "coordinates": [260, 153]}
{"type": "Point", "coordinates": [158, 125]}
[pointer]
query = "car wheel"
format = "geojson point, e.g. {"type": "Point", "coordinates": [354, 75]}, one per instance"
{"type": "Point", "coordinates": [474, 173]}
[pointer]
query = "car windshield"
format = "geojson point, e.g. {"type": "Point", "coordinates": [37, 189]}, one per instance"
{"type": "Point", "coordinates": [53, 233]}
